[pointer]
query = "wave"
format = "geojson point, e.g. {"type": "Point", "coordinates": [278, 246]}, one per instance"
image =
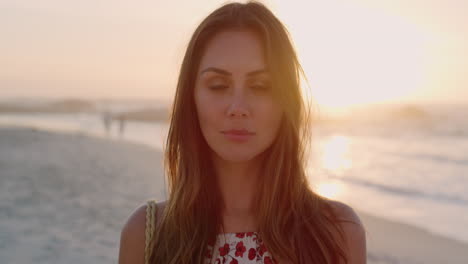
{"type": "Point", "coordinates": [431, 157]}
{"type": "Point", "coordinates": [439, 197]}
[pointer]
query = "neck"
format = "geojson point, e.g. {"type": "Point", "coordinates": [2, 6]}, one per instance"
{"type": "Point", "coordinates": [238, 183]}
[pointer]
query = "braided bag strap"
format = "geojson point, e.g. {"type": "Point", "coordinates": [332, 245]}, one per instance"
{"type": "Point", "coordinates": [149, 229]}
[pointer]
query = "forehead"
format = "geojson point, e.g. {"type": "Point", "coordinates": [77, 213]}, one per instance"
{"type": "Point", "coordinates": [235, 51]}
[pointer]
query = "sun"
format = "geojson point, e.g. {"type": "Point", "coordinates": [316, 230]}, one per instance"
{"type": "Point", "coordinates": [354, 55]}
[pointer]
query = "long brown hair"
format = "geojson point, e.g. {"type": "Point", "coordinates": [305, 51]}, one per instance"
{"type": "Point", "coordinates": [295, 224]}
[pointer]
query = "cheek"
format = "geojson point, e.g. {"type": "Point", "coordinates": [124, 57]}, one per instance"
{"type": "Point", "coordinates": [207, 117]}
{"type": "Point", "coordinates": [271, 119]}
{"type": "Point", "coordinates": [207, 111]}
{"type": "Point", "coordinates": [272, 112]}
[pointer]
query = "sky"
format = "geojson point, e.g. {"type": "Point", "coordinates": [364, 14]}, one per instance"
{"type": "Point", "coordinates": [353, 51]}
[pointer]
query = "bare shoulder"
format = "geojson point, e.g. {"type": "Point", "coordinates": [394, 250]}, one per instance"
{"type": "Point", "coordinates": [345, 212]}
{"type": "Point", "coordinates": [354, 232]}
{"type": "Point", "coordinates": [132, 237]}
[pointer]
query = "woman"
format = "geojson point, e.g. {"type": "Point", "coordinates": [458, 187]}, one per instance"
{"type": "Point", "coordinates": [238, 192]}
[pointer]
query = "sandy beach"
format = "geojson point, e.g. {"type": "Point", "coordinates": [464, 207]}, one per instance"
{"type": "Point", "coordinates": [393, 242]}
{"type": "Point", "coordinates": [64, 198]}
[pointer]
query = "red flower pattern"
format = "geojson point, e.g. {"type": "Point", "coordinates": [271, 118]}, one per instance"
{"type": "Point", "coordinates": [224, 250]}
{"type": "Point", "coordinates": [240, 249]}
{"type": "Point", "coordinates": [235, 245]}
{"type": "Point", "coordinates": [268, 260]}
{"type": "Point", "coordinates": [240, 235]}
{"type": "Point", "coordinates": [252, 253]}
{"type": "Point", "coordinates": [262, 249]}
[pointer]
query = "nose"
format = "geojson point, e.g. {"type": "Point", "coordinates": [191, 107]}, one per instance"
{"type": "Point", "coordinates": [238, 107]}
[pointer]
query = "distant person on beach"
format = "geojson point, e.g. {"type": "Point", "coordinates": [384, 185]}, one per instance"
{"type": "Point", "coordinates": [122, 121]}
{"type": "Point", "coordinates": [235, 158]}
{"type": "Point", "coordinates": [106, 118]}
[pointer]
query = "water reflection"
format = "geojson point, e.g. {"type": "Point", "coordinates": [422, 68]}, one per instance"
{"type": "Point", "coordinates": [335, 151]}
{"type": "Point", "coordinates": [333, 160]}
{"type": "Point", "coordinates": [329, 189]}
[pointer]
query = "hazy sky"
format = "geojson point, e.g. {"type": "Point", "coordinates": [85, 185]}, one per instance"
{"type": "Point", "coordinates": [353, 51]}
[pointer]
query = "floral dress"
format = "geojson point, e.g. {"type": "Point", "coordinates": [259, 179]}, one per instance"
{"type": "Point", "coordinates": [238, 248]}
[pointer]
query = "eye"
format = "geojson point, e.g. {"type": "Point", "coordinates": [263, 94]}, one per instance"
{"type": "Point", "coordinates": [260, 87]}
{"type": "Point", "coordinates": [218, 87]}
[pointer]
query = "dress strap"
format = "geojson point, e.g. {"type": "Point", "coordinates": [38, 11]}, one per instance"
{"type": "Point", "coordinates": [149, 228]}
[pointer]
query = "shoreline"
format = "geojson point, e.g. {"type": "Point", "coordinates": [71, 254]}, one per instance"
{"type": "Point", "coordinates": [387, 241]}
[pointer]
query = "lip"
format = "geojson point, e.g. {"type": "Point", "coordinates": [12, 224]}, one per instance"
{"type": "Point", "coordinates": [238, 135]}
{"type": "Point", "coordinates": [238, 132]}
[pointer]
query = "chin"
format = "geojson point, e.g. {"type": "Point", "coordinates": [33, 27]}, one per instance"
{"type": "Point", "coordinates": [232, 156]}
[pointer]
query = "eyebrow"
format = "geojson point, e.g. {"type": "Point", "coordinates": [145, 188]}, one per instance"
{"type": "Point", "coordinates": [224, 72]}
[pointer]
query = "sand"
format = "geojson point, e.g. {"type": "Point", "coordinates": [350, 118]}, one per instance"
{"type": "Point", "coordinates": [65, 197]}
{"type": "Point", "coordinates": [392, 242]}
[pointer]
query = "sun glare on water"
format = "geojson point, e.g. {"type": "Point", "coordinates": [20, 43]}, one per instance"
{"type": "Point", "coordinates": [330, 189]}
{"type": "Point", "coordinates": [334, 154]}
{"type": "Point", "coordinates": [334, 160]}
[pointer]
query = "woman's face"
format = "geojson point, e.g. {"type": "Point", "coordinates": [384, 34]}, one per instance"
{"type": "Point", "coordinates": [233, 92]}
